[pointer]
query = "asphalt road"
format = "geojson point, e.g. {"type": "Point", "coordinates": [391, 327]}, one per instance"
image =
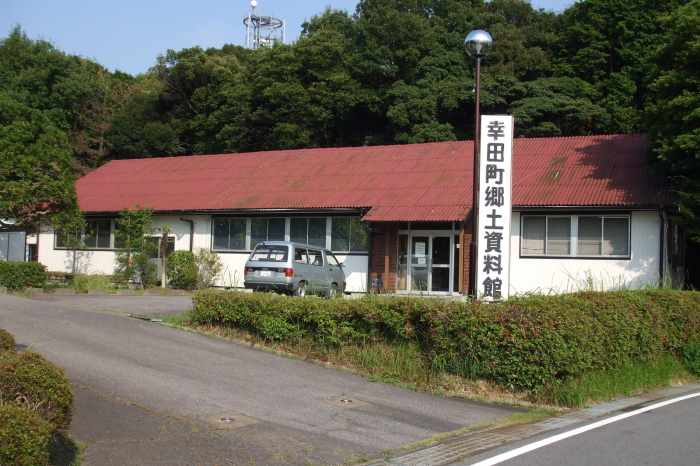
{"type": "Point", "coordinates": [150, 394]}
{"type": "Point", "coordinates": [662, 435]}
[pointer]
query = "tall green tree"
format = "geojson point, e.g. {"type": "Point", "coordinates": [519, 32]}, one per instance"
{"type": "Point", "coordinates": [75, 94]}
{"type": "Point", "coordinates": [606, 43]}
{"type": "Point", "coordinates": [673, 116]}
{"type": "Point", "coordinates": [36, 179]}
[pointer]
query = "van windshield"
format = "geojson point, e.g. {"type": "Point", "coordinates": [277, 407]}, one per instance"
{"type": "Point", "coordinates": [270, 253]}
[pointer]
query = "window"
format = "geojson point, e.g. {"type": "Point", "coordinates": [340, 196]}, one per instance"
{"type": "Point", "coordinates": [270, 253]}
{"type": "Point", "coordinates": [99, 234]}
{"type": "Point", "coordinates": [266, 229]}
{"type": "Point", "coordinates": [229, 234]}
{"type": "Point", "coordinates": [315, 257]}
{"type": "Point", "coordinates": [157, 241]}
{"type": "Point", "coordinates": [349, 234]}
{"type": "Point", "coordinates": [308, 230]}
{"type": "Point", "coordinates": [300, 256]}
{"type": "Point", "coordinates": [603, 236]}
{"type": "Point", "coordinates": [575, 235]}
{"type": "Point", "coordinates": [12, 246]}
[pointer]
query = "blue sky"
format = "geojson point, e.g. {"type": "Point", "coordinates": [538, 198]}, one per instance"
{"type": "Point", "coordinates": [128, 35]}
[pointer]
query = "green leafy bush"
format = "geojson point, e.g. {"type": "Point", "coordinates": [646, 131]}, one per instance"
{"type": "Point", "coordinates": [7, 341]}
{"type": "Point", "coordinates": [181, 270]}
{"type": "Point", "coordinates": [20, 275]}
{"type": "Point", "coordinates": [524, 343]}
{"type": "Point", "coordinates": [24, 437]}
{"type": "Point", "coordinates": [209, 266]}
{"type": "Point", "coordinates": [31, 381]}
{"type": "Point", "coordinates": [691, 356]}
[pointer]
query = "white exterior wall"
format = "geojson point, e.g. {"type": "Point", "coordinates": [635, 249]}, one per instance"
{"type": "Point", "coordinates": [61, 260]}
{"type": "Point", "coordinates": [103, 261]}
{"type": "Point", "coordinates": [355, 270]}
{"type": "Point", "coordinates": [558, 275]}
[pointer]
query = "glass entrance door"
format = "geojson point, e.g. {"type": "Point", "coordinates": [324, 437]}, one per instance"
{"type": "Point", "coordinates": [440, 249]}
{"type": "Point", "coordinates": [430, 264]}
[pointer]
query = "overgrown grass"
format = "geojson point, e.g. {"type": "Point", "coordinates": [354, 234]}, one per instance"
{"type": "Point", "coordinates": [83, 283]}
{"type": "Point", "coordinates": [633, 378]}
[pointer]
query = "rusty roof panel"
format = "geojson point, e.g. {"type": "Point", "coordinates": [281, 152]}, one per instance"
{"type": "Point", "coordinates": [398, 183]}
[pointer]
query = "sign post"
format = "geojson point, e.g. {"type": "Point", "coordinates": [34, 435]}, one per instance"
{"type": "Point", "coordinates": [495, 199]}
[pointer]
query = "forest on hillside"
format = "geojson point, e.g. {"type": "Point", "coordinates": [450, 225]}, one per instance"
{"type": "Point", "coordinates": [392, 72]}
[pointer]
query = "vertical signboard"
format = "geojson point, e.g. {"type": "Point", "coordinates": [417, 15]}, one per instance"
{"type": "Point", "coordinates": [495, 195]}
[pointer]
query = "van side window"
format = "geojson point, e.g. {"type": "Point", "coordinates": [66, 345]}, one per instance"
{"type": "Point", "coordinates": [332, 260]}
{"type": "Point", "coordinates": [300, 256]}
{"type": "Point", "coordinates": [316, 258]}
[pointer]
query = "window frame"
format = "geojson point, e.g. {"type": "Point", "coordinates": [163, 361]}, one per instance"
{"type": "Point", "coordinates": [249, 246]}
{"type": "Point", "coordinates": [574, 235]}
{"type": "Point", "coordinates": [112, 240]}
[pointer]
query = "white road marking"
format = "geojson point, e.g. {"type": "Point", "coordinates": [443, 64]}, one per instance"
{"type": "Point", "coordinates": [542, 443]}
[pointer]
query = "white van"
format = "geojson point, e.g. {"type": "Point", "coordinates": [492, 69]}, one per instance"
{"type": "Point", "coordinates": [294, 268]}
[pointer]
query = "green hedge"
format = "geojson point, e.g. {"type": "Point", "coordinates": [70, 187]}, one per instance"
{"type": "Point", "coordinates": [7, 341]}
{"type": "Point", "coordinates": [20, 275]}
{"type": "Point", "coordinates": [523, 343]}
{"type": "Point", "coordinates": [31, 381]}
{"type": "Point", "coordinates": [24, 437]}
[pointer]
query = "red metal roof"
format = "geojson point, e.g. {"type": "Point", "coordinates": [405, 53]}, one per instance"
{"type": "Point", "coordinates": [427, 182]}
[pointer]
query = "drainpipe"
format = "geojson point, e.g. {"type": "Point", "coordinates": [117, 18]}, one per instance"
{"type": "Point", "coordinates": [368, 225]}
{"type": "Point", "coordinates": [191, 222]}
{"type": "Point", "coordinates": [663, 225]}
{"type": "Point", "coordinates": [369, 258]}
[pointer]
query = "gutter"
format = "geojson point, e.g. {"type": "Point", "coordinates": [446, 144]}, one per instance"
{"type": "Point", "coordinates": [191, 222]}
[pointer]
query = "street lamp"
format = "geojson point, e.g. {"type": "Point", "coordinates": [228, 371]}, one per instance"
{"type": "Point", "coordinates": [478, 45]}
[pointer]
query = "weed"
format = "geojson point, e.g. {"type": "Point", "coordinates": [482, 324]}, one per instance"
{"type": "Point", "coordinates": [630, 379]}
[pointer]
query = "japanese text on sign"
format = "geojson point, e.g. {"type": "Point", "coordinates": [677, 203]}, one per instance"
{"type": "Point", "coordinates": [495, 195]}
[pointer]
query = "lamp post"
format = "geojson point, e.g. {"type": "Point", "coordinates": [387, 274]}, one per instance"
{"type": "Point", "coordinates": [478, 45]}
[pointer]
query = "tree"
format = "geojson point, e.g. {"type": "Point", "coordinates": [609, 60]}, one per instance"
{"type": "Point", "coordinates": [673, 118]}
{"type": "Point", "coordinates": [606, 43]}
{"type": "Point", "coordinates": [76, 95]}
{"type": "Point", "coordinates": [36, 180]}
{"type": "Point", "coordinates": [133, 230]}
{"type": "Point", "coordinates": [551, 107]}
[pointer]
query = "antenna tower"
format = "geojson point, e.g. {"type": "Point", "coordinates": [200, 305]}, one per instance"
{"type": "Point", "coordinates": [262, 30]}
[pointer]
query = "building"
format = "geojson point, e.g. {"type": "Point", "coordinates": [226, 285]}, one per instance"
{"type": "Point", "coordinates": [586, 212]}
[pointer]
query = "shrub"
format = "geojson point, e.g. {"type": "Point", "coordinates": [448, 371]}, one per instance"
{"type": "Point", "coordinates": [7, 341]}
{"type": "Point", "coordinates": [24, 437]}
{"type": "Point", "coordinates": [20, 275]}
{"type": "Point", "coordinates": [691, 356]}
{"type": "Point", "coordinates": [209, 267]}
{"type": "Point", "coordinates": [31, 381]}
{"type": "Point", "coordinates": [181, 270]}
{"type": "Point", "coordinates": [524, 343]}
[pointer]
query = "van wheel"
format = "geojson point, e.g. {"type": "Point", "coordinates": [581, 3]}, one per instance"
{"type": "Point", "coordinates": [333, 292]}
{"type": "Point", "coordinates": [301, 290]}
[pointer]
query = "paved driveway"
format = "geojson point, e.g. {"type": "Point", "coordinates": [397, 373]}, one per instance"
{"type": "Point", "coordinates": [139, 304]}
{"type": "Point", "coordinates": [130, 374]}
